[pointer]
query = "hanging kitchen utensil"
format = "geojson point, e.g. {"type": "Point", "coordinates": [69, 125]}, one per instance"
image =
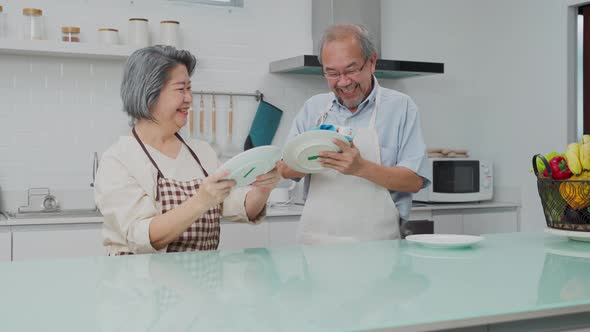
{"type": "Point", "coordinates": [214, 125]}
{"type": "Point", "coordinates": [201, 118]}
{"type": "Point", "coordinates": [230, 149]}
{"type": "Point", "coordinates": [264, 126]}
{"type": "Point", "coordinates": [230, 123]}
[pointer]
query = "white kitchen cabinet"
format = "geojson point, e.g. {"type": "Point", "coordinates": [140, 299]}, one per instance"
{"type": "Point", "coordinates": [447, 222]}
{"type": "Point", "coordinates": [5, 246]}
{"type": "Point", "coordinates": [57, 241]}
{"type": "Point", "coordinates": [484, 222]}
{"type": "Point", "coordinates": [282, 231]}
{"type": "Point", "coordinates": [239, 235]}
{"type": "Point", "coordinates": [475, 221]}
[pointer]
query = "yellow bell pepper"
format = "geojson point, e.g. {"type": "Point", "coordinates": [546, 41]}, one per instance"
{"type": "Point", "coordinates": [576, 194]}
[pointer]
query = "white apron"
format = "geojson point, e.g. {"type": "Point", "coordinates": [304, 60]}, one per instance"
{"type": "Point", "coordinates": [345, 208]}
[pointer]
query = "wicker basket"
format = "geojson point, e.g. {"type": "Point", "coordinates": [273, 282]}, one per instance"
{"type": "Point", "coordinates": [558, 212]}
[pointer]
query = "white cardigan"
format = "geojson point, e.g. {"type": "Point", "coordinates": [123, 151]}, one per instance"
{"type": "Point", "coordinates": [126, 187]}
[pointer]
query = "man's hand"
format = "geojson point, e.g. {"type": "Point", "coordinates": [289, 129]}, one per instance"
{"type": "Point", "coordinates": [349, 161]}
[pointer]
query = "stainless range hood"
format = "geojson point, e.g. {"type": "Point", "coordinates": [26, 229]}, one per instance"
{"type": "Point", "coordinates": [367, 13]}
{"type": "Point", "coordinates": [392, 69]}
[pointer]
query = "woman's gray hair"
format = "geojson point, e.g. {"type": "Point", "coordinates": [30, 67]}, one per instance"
{"type": "Point", "coordinates": [343, 31]}
{"type": "Point", "coordinates": [145, 73]}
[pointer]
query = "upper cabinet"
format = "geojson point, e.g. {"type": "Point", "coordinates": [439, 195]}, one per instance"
{"type": "Point", "coordinates": [392, 69]}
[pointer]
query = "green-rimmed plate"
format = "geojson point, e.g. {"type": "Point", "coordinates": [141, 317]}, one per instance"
{"type": "Point", "coordinates": [302, 152]}
{"type": "Point", "coordinates": [246, 166]}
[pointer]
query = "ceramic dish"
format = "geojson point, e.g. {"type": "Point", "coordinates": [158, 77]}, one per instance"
{"type": "Point", "coordinates": [573, 235]}
{"type": "Point", "coordinates": [302, 152]}
{"type": "Point", "coordinates": [444, 240]}
{"type": "Point", "coordinates": [246, 166]}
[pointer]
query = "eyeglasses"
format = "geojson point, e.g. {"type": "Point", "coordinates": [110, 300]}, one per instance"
{"type": "Point", "coordinates": [334, 75]}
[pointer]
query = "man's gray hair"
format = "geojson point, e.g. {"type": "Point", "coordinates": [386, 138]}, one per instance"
{"type": "Point", "coordinates": [343, 31]}
{"type": "Point", "coordinates": [145, 73]}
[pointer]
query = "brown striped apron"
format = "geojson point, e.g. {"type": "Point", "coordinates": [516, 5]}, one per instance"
{"type": "Point", "coordinates": [203, 233]}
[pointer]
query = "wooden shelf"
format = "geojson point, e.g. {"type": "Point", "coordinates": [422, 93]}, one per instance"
{"type": "Point", "coordinates": [65, 49]}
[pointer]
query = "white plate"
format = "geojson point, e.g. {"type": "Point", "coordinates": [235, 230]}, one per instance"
{"type": "Point", "coordinates": [301, 152]}
{"type": "Point", "coordinates": [578, 236]}
{"type": "Point", "coordinates": [444, 240]}
{"type": "Point", "coordinates": [246, 166]}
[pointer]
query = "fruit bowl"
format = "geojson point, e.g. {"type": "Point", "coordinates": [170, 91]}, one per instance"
{"type": "Point", "coordinates": [566, 203]}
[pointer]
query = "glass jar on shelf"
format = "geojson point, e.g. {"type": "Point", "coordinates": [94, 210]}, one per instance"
{"type": "Point", "coordinates": [33, 25]}
{"type": "Point", "coordinates": [70, 34]}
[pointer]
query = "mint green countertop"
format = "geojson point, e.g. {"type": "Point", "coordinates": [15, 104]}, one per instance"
{"type": "Point", "coordinates": [389, 285]}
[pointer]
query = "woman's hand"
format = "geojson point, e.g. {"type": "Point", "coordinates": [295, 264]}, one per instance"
{"type": "Point", "coordinates": [268, 181]}
{"type": "Point", "coordinates": [257, 197]}
{"type": "Point", "coordinates": [214, 189]}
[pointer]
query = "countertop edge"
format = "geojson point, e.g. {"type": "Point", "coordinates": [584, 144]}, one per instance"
{"type": "Point", "coordinates": [523, 318]}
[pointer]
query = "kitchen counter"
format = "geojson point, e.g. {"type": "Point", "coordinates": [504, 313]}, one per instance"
{"type": "Point", "coordinates": [273, 211]}
{"type": "Point", "coordinates": [519, 281]}
{"type": "Point", "coordinates": [290, 210]}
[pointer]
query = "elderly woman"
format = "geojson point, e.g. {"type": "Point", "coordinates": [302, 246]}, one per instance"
{"type": "Point", "coordinates": [157, 191]}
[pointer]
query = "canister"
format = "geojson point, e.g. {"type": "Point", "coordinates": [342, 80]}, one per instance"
{"type": "Point", "coordinates": [138, 33]}
{"type": "Point", "coordinates": [33, 25]}
{"type": "Point", "coordinates": [70, 34]}
{"type": "Point", "coordinates": [108, 36]}
{"type": "Point", "coordinates": [169, 33]}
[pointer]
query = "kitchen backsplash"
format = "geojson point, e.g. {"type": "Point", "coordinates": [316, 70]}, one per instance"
{"type": "Point", "coordinates": [54, 113]}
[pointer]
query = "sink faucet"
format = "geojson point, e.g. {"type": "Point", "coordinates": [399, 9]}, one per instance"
{"type": "Point", "coordinates": [94, 168]}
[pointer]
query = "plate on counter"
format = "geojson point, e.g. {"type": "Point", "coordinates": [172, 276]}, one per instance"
{"type": "Point", "coordinates": [246, 166]}
{"type": "Point", "coordinates": [444, 240]}
{"type": "Point", "coordinates": [573, 235]}
{"type": "Point", "coordinates": [302, 152]}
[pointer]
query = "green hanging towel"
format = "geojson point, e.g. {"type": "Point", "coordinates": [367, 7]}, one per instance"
{"type": "Point", "coordinates": [264, 126]}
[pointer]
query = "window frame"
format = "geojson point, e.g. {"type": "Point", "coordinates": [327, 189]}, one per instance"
{"type": "Point", "coordinates": [222, 3]}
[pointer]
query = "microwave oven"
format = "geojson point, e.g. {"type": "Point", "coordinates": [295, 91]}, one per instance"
{"type": "Point", "coordinates": [457, 180]}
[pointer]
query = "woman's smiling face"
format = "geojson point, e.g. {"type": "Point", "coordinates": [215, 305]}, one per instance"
{"type": "Point", "coordinates": [175, 99]}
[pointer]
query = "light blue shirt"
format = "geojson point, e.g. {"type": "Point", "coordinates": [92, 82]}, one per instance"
{"type": "Point", "coordinates": [397, 124]}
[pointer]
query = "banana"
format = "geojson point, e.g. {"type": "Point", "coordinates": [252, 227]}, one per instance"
{"type": "Point", "coordinates": [572, 154]}
{"type": "Point", "coordinates": [585, 153]}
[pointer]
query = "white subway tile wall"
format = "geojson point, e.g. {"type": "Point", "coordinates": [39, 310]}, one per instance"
{"type": "Point", "coordinates": [56, 111]}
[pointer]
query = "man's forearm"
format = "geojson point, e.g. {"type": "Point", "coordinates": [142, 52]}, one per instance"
{"type": "Point", "coordinates": [395, 178]}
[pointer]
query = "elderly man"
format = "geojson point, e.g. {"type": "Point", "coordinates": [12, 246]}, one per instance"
{"type": "Point", "coordinates": [369, 184]}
